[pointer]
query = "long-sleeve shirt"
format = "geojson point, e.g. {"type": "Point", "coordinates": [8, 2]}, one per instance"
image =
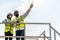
{"type": "Point", "coordinates": [9, 21]}
{"type": "Point", "coordinates": [23, 17]}
{"type": "Point", "coordinates": [26, 13]}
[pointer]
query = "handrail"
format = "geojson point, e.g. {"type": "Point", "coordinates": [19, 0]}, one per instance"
{"type": "Point", "coordinates": [24, 36]}
{"type": "Point", "coordinates": [25, 23]}
{"type": "Point", "coordinates": [35, 36]}
{"type": "Point", "coordinates": [55, 30]}
{"type": "Point", "coordinates": [40, 34]}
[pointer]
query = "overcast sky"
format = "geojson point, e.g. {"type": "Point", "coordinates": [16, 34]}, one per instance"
{"type": "Point", "coordinates": [43, 11]}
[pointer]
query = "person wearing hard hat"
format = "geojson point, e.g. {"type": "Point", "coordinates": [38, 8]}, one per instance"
{"type": "Point", "coordinates": [20, 19]}
{"type": "Point", "coordinates": [8, 27]}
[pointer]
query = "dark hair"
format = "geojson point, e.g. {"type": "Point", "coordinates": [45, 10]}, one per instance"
{"type": "Point", "coordinates": [15, 12]}
{"type": "Point", "coordinates": [9, 15]}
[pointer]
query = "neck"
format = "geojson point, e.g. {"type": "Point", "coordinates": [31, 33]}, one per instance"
{"type": "Point", "coordinates": [17, 16]}
{"type": "Point", "coordinates": [9, 18]}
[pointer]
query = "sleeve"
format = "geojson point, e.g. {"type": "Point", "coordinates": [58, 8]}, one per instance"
{"type": "Point", "coordinates": [26, 13]}
{"type": "Point", "coordinates": [4, 21]}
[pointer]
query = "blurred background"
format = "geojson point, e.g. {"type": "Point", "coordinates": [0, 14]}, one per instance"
{"type": "Point", "coordinates": [43, 11]}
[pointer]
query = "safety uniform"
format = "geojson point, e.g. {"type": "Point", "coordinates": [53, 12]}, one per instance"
{"type": "Point", "coordinates": [19, 27]}
{"type": "Point", "coordinates": [8, 29]}
{"type": "Point", "coordinates": [19, 19]}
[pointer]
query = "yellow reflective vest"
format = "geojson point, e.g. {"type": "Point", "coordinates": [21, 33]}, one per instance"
{"type": "Point", "coordinates": [21, 20]}
{"type": "Point", "coordinates": [9, 27]}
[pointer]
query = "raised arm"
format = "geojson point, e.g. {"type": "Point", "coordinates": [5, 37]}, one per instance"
{"type": "Point", "coordinates": [27, 12]}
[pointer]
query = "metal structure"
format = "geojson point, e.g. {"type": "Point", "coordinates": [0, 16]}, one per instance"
{"type": "Point", "coordinates": [37, 37]}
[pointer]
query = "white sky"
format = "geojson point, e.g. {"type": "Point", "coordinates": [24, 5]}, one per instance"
{"type": "Point", "coordinates": [43, 11]}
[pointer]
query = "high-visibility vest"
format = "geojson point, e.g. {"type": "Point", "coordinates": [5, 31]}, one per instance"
{"type": "Point", "coordinates": [9, 27]}
{"type": "Point", "coordinates": [21, 20]}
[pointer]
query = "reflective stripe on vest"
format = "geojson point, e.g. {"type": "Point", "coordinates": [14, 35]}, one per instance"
{"type": "Point", "coordinates": [8, 27]}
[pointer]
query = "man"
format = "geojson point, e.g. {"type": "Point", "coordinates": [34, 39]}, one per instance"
{"type": "Point", "coordinates": [20, 19]}
{"type": "Point", "coordinates": [8, 27]}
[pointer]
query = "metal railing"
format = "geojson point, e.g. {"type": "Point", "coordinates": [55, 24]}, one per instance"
{"type": "Point", "coordinates": [44, 37]}
{"type": "Point", "coordinates": [55, 32]}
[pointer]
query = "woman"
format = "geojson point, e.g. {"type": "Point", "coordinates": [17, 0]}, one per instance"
{"type": "Point", "coordinates": [8, 27]}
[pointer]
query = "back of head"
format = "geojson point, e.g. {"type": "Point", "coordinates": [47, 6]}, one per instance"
{"type": "Point", "coordinates": [16, 13]}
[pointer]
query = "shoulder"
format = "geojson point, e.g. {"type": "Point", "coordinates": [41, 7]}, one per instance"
{"type": "Point", "coordinates": [14, 19]}
{"type": "Point", "coordinates": [5, 20]}
{"type": "Point", "coordinates": [19, 16]}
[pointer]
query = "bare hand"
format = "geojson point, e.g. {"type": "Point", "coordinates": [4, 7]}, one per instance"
{"type": "Point", "coordinates": [31, 5]}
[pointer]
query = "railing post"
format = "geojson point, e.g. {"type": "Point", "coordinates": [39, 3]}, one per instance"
{"type": "Point", "coordinates": [8, 38]}
{"type": "Point", "coordinates": [44, 35]}
{"type": "Point", "coordinates": [24, 31]}
{"type": "Point", "coordinates": [54, 35]}
{"type": "Point", "coordinates": [41, 34]}
{"type": "Point", "coordinates": [50, 30]}
{"type": "Point", "coordinates": [55, 32]}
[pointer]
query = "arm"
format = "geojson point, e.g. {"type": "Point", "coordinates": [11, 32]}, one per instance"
{"type": "Point", "coordinates": [27, 12]}
{"type": "Point", "coordinates": [4, 21]}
